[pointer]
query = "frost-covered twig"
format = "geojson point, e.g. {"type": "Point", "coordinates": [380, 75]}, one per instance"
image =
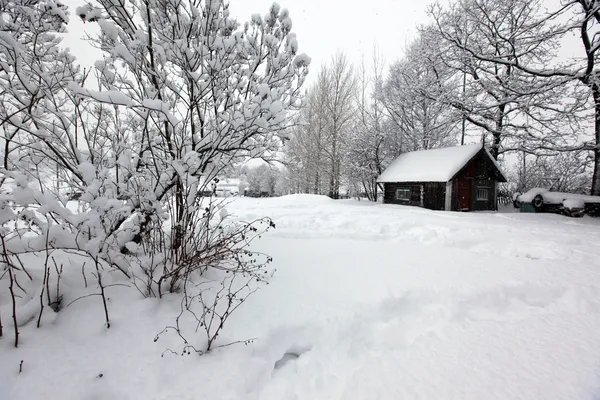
{"type": "Point", "coordinates": [11, 277]}
{"type": "Point", "coordinates": [102, 294]}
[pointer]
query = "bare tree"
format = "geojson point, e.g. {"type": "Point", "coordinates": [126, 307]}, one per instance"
{"type": "Point", "coordinates": [563, 172]}
{"type": "Point", "coordinates": [317, 147]}
{"type": "Point", "coordinates": [262, 179]}
{"type": "Point", "coordinates": [306, 148]}
{"type": "Point", "coordinates": [413, 98]}
{"type": "Point", "coordinates": [368, 152]}
{"type": "Point", "coordinates": [520, 39]}
{"type": "Point", "coordinates": [340, 106]}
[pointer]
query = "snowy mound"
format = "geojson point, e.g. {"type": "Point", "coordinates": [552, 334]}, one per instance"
{"type": "Point", "coordinates": [574, 203]}
{"type": "Point", "coordinates": [528, 196]}
{"type": "Point", "coordinates": [558, 197]}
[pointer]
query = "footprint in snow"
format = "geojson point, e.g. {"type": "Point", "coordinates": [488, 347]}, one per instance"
{"type": "Point", "coordinates": [288, 356]}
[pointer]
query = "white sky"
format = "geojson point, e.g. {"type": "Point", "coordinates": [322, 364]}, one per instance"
{"type": "Point", "coordinates": [325, 26]}
{"type": "Point", "coordinates": [322, 27]}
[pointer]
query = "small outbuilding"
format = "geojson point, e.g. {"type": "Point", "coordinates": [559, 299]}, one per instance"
{"type": "Point", "coordinates": [462, 178]}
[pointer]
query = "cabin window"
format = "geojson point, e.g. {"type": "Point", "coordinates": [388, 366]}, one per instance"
{"type": "Point", "coordinates": [403, 194]}
{"type": "Point", "coordinates": [483, 194]}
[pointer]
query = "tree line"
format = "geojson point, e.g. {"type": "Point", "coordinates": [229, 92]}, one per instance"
{"type": "Point", "coordinates": [479, 70]}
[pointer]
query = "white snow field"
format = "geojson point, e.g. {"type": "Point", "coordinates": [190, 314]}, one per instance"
{"type": "Point", "coordinates": [378, 301]}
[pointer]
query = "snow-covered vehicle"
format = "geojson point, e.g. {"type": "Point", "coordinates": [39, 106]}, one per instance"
{"type": "Point", "coordinates": [570, 204]}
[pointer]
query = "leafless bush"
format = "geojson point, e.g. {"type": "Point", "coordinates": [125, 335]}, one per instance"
{"type": "Point", "coordinates": [217, 278]}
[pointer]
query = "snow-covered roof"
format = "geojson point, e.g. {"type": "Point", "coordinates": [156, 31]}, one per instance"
{"type": "Point", "coordinates": [437, 165]}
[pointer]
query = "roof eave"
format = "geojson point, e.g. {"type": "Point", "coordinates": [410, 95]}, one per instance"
{"type": "Point", "coordinates": [414, 181]}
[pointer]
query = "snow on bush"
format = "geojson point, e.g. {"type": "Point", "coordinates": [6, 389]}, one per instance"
{"type": "Point", "coordinates": [528, 196]}
{"type": "Point", "coordinates": [574, 203]}
{"type": "Point", "coordinates": [116, 175]}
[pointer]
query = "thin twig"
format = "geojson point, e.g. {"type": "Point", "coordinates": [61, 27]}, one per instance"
{"type": "Point", "coordinates": [12, 291]}
{"type": "Point", "coordinates": [99, 277]}
{"type": "Point", "coordinates": [83, 273]}
{"type": "Point", "coordinates": [246, 342]}
{"type": "Point", "coordinates": [83, 297]}
{"type": "Point", "coordinates": [97, 294]}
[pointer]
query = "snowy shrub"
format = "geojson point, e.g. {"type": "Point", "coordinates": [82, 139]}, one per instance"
{"type": "Point", "coordinates": [116, 174]}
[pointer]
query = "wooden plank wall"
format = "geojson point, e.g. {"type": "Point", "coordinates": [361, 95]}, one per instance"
{"type": "Point", "coordinates": [433, 194]}
{"type": "Point", "coordinates": [389, 196]}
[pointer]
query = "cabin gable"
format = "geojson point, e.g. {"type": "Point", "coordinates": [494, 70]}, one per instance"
{"type": "Point", "coordinates": [475, 186]}
{"type": "Point", "coordinates": [480, 166]}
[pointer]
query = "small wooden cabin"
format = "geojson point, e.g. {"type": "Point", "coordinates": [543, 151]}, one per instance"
{"type": "Point", "coordinates": [462, 178]}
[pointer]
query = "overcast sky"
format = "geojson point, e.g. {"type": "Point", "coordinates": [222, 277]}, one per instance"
{"type": "Point", "coordinates": [322, 27]}
{"type": "Point", "coordinates": [326, 26]}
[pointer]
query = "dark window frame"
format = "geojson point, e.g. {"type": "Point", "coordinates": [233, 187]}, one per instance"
{"type": "Point", "coordinates": [483, 189]}
{"type": "Point", "coordinates": [406, 191]}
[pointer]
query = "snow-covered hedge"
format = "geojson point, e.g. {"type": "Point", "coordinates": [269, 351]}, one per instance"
{"type": "Point", "coordinates": [574, 203]}
{"type": "Point", "coordinates": [569, 204]}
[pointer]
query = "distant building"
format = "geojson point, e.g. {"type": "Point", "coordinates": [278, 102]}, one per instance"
{"type": "Point", "coordinates": [230, 187]}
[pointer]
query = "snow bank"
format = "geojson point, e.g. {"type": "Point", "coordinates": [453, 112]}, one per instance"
{"type": "Point", "coordinates": [387, 351]}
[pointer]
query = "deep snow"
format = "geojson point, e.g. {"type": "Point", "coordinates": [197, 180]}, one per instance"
{"type": "Point", "coordinates": [378, 301]}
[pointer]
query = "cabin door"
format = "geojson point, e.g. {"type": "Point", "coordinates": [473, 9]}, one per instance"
{"type": "Point", "coordinates": [464, 194]}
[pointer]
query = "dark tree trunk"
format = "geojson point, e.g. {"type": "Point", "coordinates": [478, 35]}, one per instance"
{"type": "Point", "coordinates": [375, 191]}
{"type": "Point", "coordinates": [331, 182]}
{"type": "Point", "coordinates": [498, 133]}
{"type": "Point", "coordinates": [596, 174]}
{"type": "Point", "coordinates": [180, 222]}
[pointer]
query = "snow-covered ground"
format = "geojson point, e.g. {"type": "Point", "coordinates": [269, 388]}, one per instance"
{"type": "Point", "coordinates": [381, 302]}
